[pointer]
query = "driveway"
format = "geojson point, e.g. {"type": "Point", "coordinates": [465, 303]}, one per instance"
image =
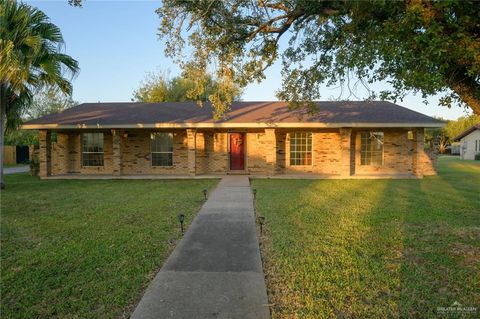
{"type": "Point", "coordinates": [16, 169]}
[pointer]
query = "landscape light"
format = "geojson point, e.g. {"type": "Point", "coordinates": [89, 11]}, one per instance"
{"type": "Point", "coordinates": [205, 192]}
{"type": "Point", "coordinates": [181, 219]}
{"type": "Point", "coordinates": [254, 193]}
{"type": "Point", "coordinates": [261, 221]}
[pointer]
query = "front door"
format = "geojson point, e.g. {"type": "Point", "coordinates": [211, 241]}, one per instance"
{"type": "Point", "coordinates": [237, 151]}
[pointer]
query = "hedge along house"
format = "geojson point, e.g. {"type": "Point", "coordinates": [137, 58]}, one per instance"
{"type": "Point", "coordinates": [340, 140]}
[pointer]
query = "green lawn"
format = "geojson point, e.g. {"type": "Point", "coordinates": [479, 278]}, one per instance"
{"type": "Point", "coordinates": [87, 249]}
{"type": "Point", "coordinates": [373, 248]}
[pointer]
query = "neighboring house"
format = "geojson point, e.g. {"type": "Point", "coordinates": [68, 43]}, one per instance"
{"type": "Point", "coordinates": [340, 140]}
{"type": "Point", "coordinates": [469, 142]}
{"type": "Point", "coordinates": [454, 148]}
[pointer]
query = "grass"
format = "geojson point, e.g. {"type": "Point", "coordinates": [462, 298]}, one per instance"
{"type": "Point", "coordinates": [87, 249]}
{"type": "Point", "coordinates": [372, 248]}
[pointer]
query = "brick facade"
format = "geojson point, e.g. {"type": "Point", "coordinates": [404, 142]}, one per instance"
{"type": "Point", "coordinates": [335, 153]}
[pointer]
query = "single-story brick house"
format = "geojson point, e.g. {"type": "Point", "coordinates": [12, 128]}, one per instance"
{"type": "Point", "coordinates": [340, 140]}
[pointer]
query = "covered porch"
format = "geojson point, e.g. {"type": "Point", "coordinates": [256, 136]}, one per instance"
{"type": "Point", "coordinates": [213, 152]}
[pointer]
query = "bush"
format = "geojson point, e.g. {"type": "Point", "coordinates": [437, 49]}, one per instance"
{"type": "Point", "coordinates": [34, 164]}
{"type": "Point", "coordinates": [477, 157]}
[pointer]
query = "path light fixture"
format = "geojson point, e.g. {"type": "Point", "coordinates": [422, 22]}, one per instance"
{"type": "Point", "coordinates": [181, 219]}
{"type": "Point", "coordinates": [261, 221]}
{"type": "Point", "coordinates": [205, 192]}
{"type": "Point", "coordinates": [254, 193]}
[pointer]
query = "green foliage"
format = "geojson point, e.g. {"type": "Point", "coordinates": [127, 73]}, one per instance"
{"type": "Point", "coordinates": [48, 101]}
{"type": "Point", "coordinates": [442, 137]}
{"type": "Point", "coordinates": [426, 47]}
{"type": "Point", "coordinates": [372, 248]}
{"type": "Point", "coordinates": [31, 57]}
{"type": "Point", "coordinates": [34, 164]}
{"type": "Point", "coordinates": [87, 249]}
{"type": "Point", "coordinates": [75, 3]}
{"type": "Point", "coordinates": [21, 137]}
{"type": "Point", "coordinates": [454, 128]}
{"type": "Point", "coordinates": [160, 88]}
{"type": "Point", "coordinates": [437, 137]}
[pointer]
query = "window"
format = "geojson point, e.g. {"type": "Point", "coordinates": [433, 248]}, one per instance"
{"type": "Point", "coordinates": [371, 148]}
{"type": "Point", "coordinates": [92, 149]}
{"type": "Point", "coordinates": [410, 135]}
{"type": "Point", "coordinates": [301, 148]}
{"type": "Point", "coordinates": [162, 149]}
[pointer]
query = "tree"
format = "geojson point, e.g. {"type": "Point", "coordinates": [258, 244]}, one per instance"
{"type": "Point", "coordinates": [30, 58]}
{"type": "Point", "coordinates": [437, 137]}
{"type": "Point", "coordinates": [21, 137]}
{"type": "Point", "coordinates": [431, 47]}
{"type": "Point", "coordinates": [48, 101]}
{"type": "Point", "coordinates": [442, 137]}
{"type": "Point", "coordinates": [454, 128]}
{"type": "Point", "coordinates": [160, 88]}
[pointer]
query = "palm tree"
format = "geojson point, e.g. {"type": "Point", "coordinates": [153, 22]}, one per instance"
{"type": "Point", "coordinates": [30, 58]}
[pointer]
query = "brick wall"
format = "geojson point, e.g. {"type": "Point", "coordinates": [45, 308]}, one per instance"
{"type": "Point", "coordinates": [326, 153]}
{"type": "Point", "coordinates": [67, 155]}
{"type": "Point", "coordinates": [256, 157]}
{"type": "Point", "coordinates": [267, 153]}
{"type": "Point", "coordinates": [397, 153]}
{"type": "Point", "coordinates": [137, 157]}
{"type": "Point", "coordinates": [428, 161]}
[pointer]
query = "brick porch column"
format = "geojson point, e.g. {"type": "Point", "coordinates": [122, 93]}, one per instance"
{"type": "Point", "coordinates": [191, 145]}
{"type": "Point", "coordinates": [45, 153]}
{"type": "Point", "coordinates": [417, 150]}
{"type": "Point", "coordinates": [62, 154]}
{"type": "Point", "coordinates": [271, 150]}
{"type": "Point", "coordinates": [345, 151]}
{"type": "Point", "coordinates": [117, 152]}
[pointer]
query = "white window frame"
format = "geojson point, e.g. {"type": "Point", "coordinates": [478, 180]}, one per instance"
{"type": "Point", "coordinates": [87, 152]}
{"type": "Point", "coordinates": [366, 152]}
{"type": "Point", "coordinates": [160, 152]}
{"type": "Point", "coordinates": [293, 136]}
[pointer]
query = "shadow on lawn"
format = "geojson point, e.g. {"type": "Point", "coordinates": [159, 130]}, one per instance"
{"type": "Point", "coordinates": [428, 232]}
{"type": "Point", "coordinates": [372, 249]}
{"type": "Point", "coordinates": [323, 238]}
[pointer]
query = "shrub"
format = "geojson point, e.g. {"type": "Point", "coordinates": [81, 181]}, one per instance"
{"type": "Point", "coordinates": [34, 164]}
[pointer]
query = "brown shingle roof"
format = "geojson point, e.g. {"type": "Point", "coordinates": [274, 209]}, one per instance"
{"type": "Point", "coordinates": [189, 113]}
{"type": "Point", "coordinates": [467, 131]}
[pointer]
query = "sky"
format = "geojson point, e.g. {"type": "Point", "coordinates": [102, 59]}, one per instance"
{"type": "Point", "coordinates": [116, 45]}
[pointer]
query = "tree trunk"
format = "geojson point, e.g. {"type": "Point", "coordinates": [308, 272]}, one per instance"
{"type": "Point", "coordinates": [466, 88]}
{"type": "Point", "coordinates": [3, 122]}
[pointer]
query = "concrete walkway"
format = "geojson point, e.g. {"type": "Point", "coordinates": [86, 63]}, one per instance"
{"type": "Point", "coordinates": [16, 169]}
{"type": "Point", "coordinates": [216, 270]}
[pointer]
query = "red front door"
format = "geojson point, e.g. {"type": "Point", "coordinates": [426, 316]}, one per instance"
{"type": "Point", "coordinates": [237, 149]}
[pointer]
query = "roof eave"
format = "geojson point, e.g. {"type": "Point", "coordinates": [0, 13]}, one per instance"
{"type": "Point", "coordinates": [465, 133]}
{"type": "Point", "coordinates": [231, 125]}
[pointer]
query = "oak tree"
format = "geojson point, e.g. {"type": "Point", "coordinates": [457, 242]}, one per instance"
{"type": "Point", "coordinates": [427, 47]}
